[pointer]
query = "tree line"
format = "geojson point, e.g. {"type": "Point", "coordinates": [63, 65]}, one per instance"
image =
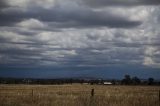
{"type": "Point", "coordinates": [127, 80]}
{"type": "Point", "coordinates": [136, 81]}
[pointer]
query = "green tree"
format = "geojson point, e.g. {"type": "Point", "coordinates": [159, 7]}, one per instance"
{"type": "Point", "coordinates": [127, 80]}
{"type": "Point", "coordinates": [150, 81]}
{"type": "Point", "coordinates": [136, 80]}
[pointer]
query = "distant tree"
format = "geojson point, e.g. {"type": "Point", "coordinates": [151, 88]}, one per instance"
{"type": "Point", "coordinates": [150, 81]}
{"type": "Point", "coordinates": [136, 80]}
{"type": "Point", "coordinates": [127, 80]}
{"type": "Point", "coordinates": [113, 82]}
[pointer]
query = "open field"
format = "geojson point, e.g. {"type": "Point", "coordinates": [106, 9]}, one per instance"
{"type": "Point", "coordinates": [78, 95]}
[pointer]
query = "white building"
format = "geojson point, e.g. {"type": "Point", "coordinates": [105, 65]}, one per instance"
{"type": "Point", "coordinates": [107, 83]}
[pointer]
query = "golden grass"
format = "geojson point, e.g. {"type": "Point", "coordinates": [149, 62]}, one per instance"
{"type": "Point", "coordinates": [78, 95]}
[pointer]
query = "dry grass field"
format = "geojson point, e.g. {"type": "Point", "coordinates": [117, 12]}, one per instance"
{"type": "Point", "coordinates": [78, 95]}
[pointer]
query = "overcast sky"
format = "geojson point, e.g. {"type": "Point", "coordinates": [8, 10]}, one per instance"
{"type": "Point", "coordinates": [80, 35]}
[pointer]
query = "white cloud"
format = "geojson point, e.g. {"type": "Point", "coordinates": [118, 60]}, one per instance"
{"type": "Point", "coordinates": [150, 50]}
{"type": "Point", "coordinates": [31, 23]}
{"type": "Point", "coordinates": [11, 36]}
{"type": "Point", "coordinates": [34, 3]}
{"type": "Point", "coordinates": [149, 56]}
{"type": "Point", "coordinates": [148, 61]}
{"type": "Point", "coordinates": [59, 54]}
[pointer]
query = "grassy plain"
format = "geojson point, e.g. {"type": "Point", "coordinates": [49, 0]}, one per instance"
{"type": "Point", "coordinates": [78, 95]}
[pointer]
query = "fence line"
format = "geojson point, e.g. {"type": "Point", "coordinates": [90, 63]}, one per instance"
{"type": "Point", "coordinates": [33, 92]}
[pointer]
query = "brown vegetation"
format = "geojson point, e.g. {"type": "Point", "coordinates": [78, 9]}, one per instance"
{"type": "Point", "coordinates": [78, 95]}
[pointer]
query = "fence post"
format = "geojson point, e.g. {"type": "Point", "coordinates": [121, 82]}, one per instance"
{"type": "Point", "coordinates": [92, 92]}
{"type": "Point", "coordinates": [159, 96]}
{"type": "Point", "coordinates": [32, 93]}
{"type": "Point", "coordinates": [92, 98]}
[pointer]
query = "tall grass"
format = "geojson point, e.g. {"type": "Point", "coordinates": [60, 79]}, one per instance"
{"type": "Point", "coordinates": [78, 95]}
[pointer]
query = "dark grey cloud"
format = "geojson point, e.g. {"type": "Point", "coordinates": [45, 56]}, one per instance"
{"type": "Point", "coordinates": [10, 18]}
{"type": "Point", "coordinates": [3, 4]}
{"type": "Point", "coordinates": [78, 36]}
{"type": "Point", "coordinates": [95, 19]}
{"type": "Point", "coordinates": [17, 56]}
{"type": "Point", "coordinates": [104, 57]}
{"type": "Point", "coordinates": [102, 3]}
{"type": "Point", "coordinates": [59, 17]}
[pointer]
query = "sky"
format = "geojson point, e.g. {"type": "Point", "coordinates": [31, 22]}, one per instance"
{"type": "Point", "coordinates": [79, 38]}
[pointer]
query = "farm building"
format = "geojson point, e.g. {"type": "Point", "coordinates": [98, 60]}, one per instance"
{"type": "Point", "coordinates": [107, 83]}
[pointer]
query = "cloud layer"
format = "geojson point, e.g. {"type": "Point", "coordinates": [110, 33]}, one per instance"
{"type": "Point", "coordinates": [79, 33]}
{"type": "Point", "coordinates": [103, 3]}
